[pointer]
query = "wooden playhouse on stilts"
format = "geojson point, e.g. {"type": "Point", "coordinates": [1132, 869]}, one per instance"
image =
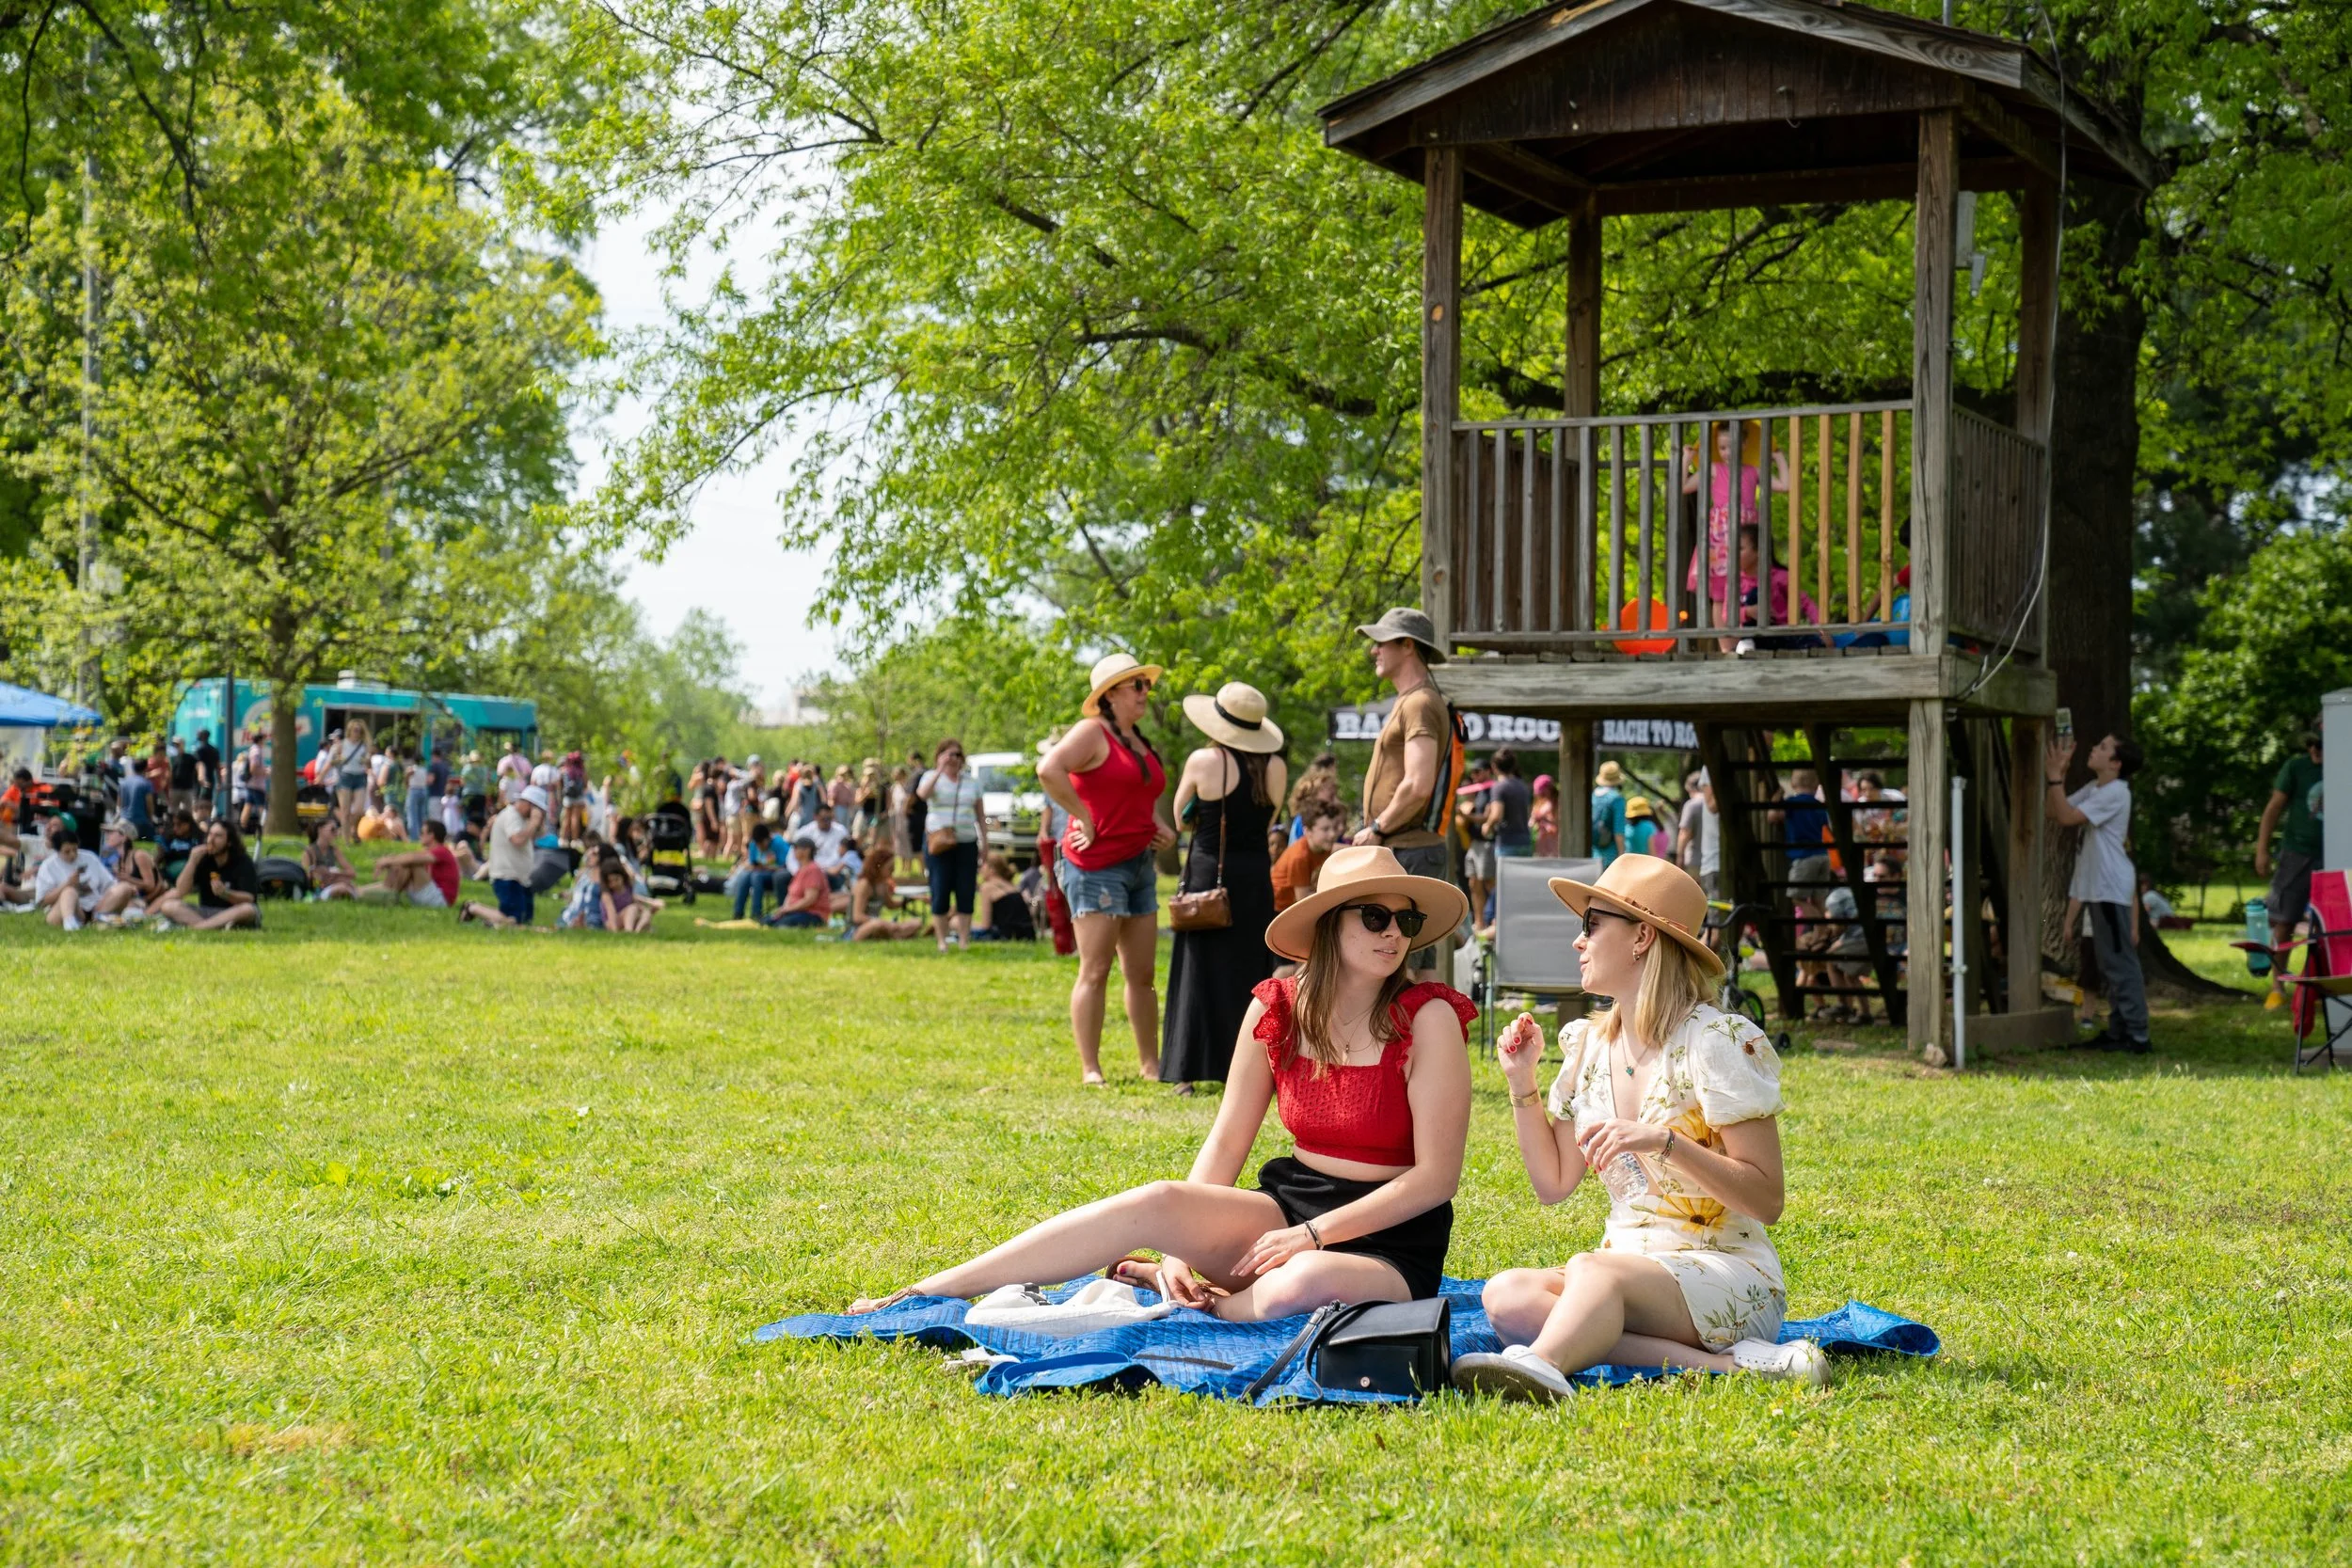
{"type": "Point", "coordinates": [1916, 529]}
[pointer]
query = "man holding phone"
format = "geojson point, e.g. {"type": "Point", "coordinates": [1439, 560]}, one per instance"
{"type": "Point", "coordinates": [2104, 878]}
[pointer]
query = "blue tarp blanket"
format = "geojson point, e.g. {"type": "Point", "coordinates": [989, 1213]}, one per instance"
{"type": "Point", "coordinates": [1201, 1355]}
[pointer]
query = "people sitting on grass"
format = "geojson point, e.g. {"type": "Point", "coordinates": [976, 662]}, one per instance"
{"type": "Point", "coordinates": [424, 877]}
{"type": "Point", "coordinates": [1371, 1077]}
{"type": "Point", "coordinates": [178, 839]}
{"type": "Point", "coordinates": [758, 871]}
{"type": "Point", "coordinates": [808, 897]}
{"type": "Point", "coordinates": [218, 887]}
{"type": "Point", "coordinates": [332, 873]}
{"type": "Point", "coordinates": [1004, 912]}
{"type": "Point", "coordinates": [623, 907]}
{"type": "Point", "coordinates": [1676, 1106]}
{"type": "Point", "coordinates": [132, 866]}
{"type": "Point", "coordinates": [829, 841]}
{"type": "Point", "coordinates": [73, 885]}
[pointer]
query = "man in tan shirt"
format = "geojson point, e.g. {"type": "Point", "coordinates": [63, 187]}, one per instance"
{"type": "Point", "coordinates": [1406, 756]}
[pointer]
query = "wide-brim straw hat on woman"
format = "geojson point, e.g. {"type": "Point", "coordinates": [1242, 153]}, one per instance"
{"type": "Point", "coordinates": [1235, 716]}
{"type": "Point", "coordinates": [1358, 872]}
{"type": "Point", "coordinates": [1610, 774]}
{"type": "Point", "coordinates": [1646, 888]}
{"type": "Point", "coordinates": [1110, 671]}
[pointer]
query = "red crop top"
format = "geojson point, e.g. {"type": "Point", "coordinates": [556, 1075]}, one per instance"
{"type": "Point", "coordinates": [1348, 1113]}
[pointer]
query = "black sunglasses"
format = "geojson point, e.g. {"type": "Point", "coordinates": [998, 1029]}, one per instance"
{"type": "Point", "coordinates": [1376, 917]}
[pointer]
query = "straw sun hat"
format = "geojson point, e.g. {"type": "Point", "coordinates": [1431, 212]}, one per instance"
{"type": "Point", "coordinates": [1645, 888]}
{"type": "Point", "coordinates": [1109, 671]}
{"type": "Point", "coordinates": [1363, 871]}
{"type": "Point", "coordinates": [1235, 716]}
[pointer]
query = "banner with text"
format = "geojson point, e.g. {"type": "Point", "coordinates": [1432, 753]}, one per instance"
{"type": "Point", "coordinates": [1362, 722]}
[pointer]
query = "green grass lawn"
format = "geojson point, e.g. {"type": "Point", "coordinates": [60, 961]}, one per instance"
{"type": "Point", "coordinates": [371, 1238]}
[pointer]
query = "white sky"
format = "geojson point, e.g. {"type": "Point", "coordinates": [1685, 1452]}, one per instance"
{"type": "Point", "coordinates": [732, 562]}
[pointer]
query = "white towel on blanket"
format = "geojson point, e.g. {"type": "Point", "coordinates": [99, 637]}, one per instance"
{"type": "Point", "coordinates": [1100, 1305]}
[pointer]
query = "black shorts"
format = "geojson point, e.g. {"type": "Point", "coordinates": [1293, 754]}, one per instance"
{"type": "Point", "coordinates": [2290, 892]}
{"type": "Point", "coordinates": [1414, 1248]}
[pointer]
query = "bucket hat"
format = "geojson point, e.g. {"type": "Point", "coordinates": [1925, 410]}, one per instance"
{"type": "Point", "coordinates": [1403, 624]}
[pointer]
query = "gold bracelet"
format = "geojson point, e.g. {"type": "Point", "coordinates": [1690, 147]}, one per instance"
{"type": "Point", "coordinates": [1532, 1097]}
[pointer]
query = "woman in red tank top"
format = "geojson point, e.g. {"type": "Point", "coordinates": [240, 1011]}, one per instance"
{"type": "Point", "coordinates": [1371, 1078]}
{"type": "Point", "coordinates": [1107, 777]}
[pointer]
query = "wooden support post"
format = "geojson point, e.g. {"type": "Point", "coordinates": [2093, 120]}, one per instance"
{"type": "Point", "coordinates": [1575, 788]}
{"type": "Point", "coordinates": [2021, 930]}
{"type": "Point", "coordinates": [1970, 754]}
{"type": "Point", "coordinates": [1440, 377]}
{"type": "Point", "coordinates": [1583, 380]}
{"type": "Point", "coordinates": [1936, 233]}
{"type": "Point", "coordinates": [1929, 790]}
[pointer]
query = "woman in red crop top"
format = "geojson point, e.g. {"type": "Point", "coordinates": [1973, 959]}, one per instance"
{"type": "Point", "coordinates": [1372, 1078]}
{"type": "Point", "coordinates": [1107, 775]}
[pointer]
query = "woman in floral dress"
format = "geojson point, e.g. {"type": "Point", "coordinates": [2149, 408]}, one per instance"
{"type": "Point", "coordinates": [1674, 1105]}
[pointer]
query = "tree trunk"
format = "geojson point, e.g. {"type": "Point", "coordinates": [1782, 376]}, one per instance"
{"type": "Point", "coordinates": [2093, 480]}
{"type": "Point", "coordinates": [285, 707]}
{"type": "Point", "coordinates": [2161, 967]}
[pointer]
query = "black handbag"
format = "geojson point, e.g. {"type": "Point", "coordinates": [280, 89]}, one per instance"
{"type": "Point", "coordinates": [1403, 1348]}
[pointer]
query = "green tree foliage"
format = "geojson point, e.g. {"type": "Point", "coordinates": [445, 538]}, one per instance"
{"type": "Point", "coordinates": [1070, 307]}
{"type": "Point", "coordinates": [324, 367]}
{"type": "Point", "coordinates": [2274, 638]}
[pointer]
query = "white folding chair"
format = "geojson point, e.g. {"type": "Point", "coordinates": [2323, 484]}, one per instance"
{"type": "Point", "coordinates": [1534, 940]}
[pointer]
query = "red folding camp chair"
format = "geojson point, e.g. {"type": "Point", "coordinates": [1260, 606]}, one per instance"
{"type": "Point", "coordinates": [2322, 992]}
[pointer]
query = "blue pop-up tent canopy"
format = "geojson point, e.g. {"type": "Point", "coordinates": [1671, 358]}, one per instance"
{"type": "Point", "coordinates": [23, 708]}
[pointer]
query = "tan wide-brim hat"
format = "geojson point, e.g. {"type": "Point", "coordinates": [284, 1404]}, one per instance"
{"type": "Point", "coordinates": [1235, 716]}
{"type": "Point", "coordinates": [1353, 874]}
{"type": "Point", "coordinates": [1610, 774]}
{"type": "Point", "coordinates": [1646, 888]}
{"type": "Point", "coordinates": [1109, 671]}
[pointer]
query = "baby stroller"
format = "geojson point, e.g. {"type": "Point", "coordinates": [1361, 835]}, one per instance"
{"type": "Point", "coordinates": [669, 830]}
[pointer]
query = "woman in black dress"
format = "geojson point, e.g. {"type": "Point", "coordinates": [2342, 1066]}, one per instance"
{"type": "Point", "coordinates": [1228, 793]}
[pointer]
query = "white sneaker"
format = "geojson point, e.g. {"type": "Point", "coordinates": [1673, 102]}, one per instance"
{"type": "Point", "coordinates": [74, 923]}
{"type": "Point", "coordinates": [1798, 1361]}
{"type": "Point", "coordinates": [1518, 1373]}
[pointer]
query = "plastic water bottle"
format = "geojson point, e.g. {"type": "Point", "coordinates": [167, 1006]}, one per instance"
{"type": "Point", "coordinates": [1624, 1178]}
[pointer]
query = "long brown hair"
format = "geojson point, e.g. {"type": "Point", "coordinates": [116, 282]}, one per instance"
{"type": "Point", "coordinates": [1318, 988]}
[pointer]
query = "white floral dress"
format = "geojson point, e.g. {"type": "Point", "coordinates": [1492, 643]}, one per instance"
{"type": "Point", "coordinates": [1717, 1070]}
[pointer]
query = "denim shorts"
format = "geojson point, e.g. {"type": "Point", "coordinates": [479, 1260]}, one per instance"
{"type": "Point", "coordinates": [1131, 887]}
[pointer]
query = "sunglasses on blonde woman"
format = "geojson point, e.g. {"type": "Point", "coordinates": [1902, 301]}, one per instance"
{"type": "Point", "coordinates": [1376, 917]}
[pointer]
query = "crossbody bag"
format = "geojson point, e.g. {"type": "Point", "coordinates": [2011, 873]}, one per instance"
{"type": "Point", "coordinates": [1211, 909]}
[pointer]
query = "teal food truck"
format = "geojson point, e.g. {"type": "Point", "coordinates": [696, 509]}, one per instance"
{"type": "Point", "coordinates": [455, 720]}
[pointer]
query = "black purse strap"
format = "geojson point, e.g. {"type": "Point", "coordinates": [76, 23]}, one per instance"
{"type": "Point", "coordinates": [1315, 1325]}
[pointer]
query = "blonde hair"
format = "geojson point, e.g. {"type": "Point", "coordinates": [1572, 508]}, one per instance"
{"type": "Point", "coordinates": [1676, 982]}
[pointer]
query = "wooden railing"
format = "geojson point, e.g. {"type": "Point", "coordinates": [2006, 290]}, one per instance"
{"type": "Point", "coordinates": [1581, 533]}
{"type": "Point", "coordinates": [1997, 480]}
